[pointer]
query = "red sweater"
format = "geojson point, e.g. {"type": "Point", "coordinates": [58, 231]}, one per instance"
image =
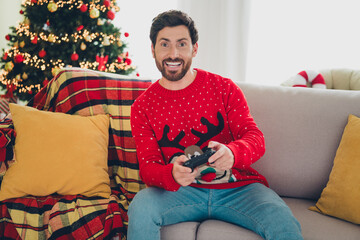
{"type": "Point", "coordinates": [166, 124]}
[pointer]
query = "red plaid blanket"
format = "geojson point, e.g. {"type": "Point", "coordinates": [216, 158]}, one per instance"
{"type": "Point", "coordinates": [83, 92]}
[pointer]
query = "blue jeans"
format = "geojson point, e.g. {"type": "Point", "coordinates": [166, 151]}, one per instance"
{"type": "Point", "coordinates": [254, 207]}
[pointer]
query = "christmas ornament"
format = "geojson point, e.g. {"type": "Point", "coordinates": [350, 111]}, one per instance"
{"type": "Point", "coordinates": [42, 53]}
{"type": "Point", "coordinates": [16, 44]}
{"type": "Point", "coordinates": [74, 56]}
{"type": "Point", "coordinates": [102, 60]}
{"type": "Point", "coordinates": [128, 61]}
{"type": "Point", "coordinates": [19, 58]}
{"type": "Point", "coordinates": [7, 37]}
{"type": "Point", "coordinates": [52, 6]}
{"type": "Point", "coordinates": [106, 3]}
{"type": "Point", "coordinates": [48, 22]}
{"type": "Point", "coordinates": [18, 77]}
{"type": "Point", "coordinates": [119, 43]}
{"type": "Point", "coordinates": [100, 22]}
{"type": "Point", "coordinates": [119, 59]}
{"type": "Point", "coordinates": [9, 66]}
{"type": "Point", "coordinates": [79, 28]}
{"type": "Point", "coordinates": [110, 15]}
{"type": "Point", "coordinates": [33, 1]}
{"type": "Point", "coordinates": [5, 56]}
{"type": "Point", "coordinates": [83, 8]}
{"type": "Point", "coordinates": [138, 74]}
{"type": "Point", "coordinates": [314, 78]}
{"type": "Point", "coordinates": [106, 41]}
{"type": "Point", "coordinates": [22, 44]}
{"type": "Point", "coordinates": [34, 40]}
{"type": "Point", "coordinates": [82, 46]}
{"type": "Point", "coordinates": [21, 12]}
{"type": "Point", "coordinates": [94, 13]}
{"type": "Point", "coordinates": [126, 34]}
{"type": "Point", "coordinates": [25, 76]}
{"type": "Point", "coordinates": [9, 90]}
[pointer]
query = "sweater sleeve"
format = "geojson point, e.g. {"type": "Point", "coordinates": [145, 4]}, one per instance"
{"type": "Point", "coordinates": [152, 168]}
{"type": "Point", "coordinates": [249, 143]}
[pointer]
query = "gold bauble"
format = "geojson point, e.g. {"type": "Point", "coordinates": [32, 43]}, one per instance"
{"type": "Point", "coordinates": [22, 44]}
{"type": "Point", "coordinates": [24, 76]}
{"type": "Point", "coordinates": [52, 7]}
{"type": "Point", "coordinates": [9, 66]}
{"type": "Point", "coordinates": [82, 46]}
{"type": "Point", "coordinates": [94, 13]}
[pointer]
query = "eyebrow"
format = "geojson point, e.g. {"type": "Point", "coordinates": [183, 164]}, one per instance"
{"type": "Point", "coordinates": [179, 40]}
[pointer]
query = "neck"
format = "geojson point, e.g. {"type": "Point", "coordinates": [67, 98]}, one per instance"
{"type": "Point", "coordinates": [180, 84]}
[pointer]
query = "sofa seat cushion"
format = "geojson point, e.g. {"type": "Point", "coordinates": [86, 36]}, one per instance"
{"type": "Point", "coordinates": [314, 226]}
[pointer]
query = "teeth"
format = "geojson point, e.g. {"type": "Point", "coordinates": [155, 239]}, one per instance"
{"type": "Point", "coordinates": [173, 63]}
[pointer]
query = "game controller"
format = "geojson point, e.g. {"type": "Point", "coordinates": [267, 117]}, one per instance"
{"type": "Point", "coordinates": [196, 161]}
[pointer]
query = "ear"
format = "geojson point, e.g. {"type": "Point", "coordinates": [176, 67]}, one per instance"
{"type": "Point", "coordinates": [153, 50]}
{"type": "Point", "coordinates": [195, 49]}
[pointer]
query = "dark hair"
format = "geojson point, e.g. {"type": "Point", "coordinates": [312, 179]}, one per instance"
{"type": "Point", "coordinates": [173, 18]}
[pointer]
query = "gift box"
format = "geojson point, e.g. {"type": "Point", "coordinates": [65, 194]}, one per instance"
{"type": "Point", "coordinates": [4, 105]}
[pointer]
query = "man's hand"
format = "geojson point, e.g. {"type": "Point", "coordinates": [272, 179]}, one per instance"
{"type": "Point", "coordinates": [181, 174]}
{"type": "Point", "coordinates": [223, 159]}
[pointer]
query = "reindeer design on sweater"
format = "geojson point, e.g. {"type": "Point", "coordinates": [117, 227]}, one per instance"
{"type": "Point", "coordinates": [206, 173]}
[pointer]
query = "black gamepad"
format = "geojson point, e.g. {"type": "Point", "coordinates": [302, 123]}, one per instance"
{"type": "Point", "coordinates": [199, 160]}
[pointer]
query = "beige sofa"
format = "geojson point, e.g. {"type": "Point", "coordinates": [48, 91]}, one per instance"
{"type": "Point", "coordinates": [302, 128]}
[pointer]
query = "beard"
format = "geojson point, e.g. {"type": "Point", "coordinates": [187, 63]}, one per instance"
{"type": "Point", "coordinates": [173, 75]}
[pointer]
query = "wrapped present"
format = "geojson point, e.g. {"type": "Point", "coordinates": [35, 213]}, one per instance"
{"type": "Point", "coordinates": [4, 105]}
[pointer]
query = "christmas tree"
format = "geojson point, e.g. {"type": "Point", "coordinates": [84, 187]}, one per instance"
{"type": "Point", "coordinates": [61, 33]}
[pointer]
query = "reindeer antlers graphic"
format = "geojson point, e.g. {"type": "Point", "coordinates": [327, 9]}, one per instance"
{"type": "Point", "coordinates": [213, 130]}
{"type": "Point", "coordinates": [165, 141]}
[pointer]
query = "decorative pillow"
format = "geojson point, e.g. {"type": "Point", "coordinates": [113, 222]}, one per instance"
{"type": "Point", "coordinates": [57, 153]}
{"type": "Point", "coordinates": [341, 197]}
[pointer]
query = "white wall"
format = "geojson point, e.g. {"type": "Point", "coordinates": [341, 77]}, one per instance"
{"type": "Point", "coordinates": [9, 16]}
{"type": "Point", "coordinates": [135, 17]}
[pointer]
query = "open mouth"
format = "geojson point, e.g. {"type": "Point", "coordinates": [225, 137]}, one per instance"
{"type": "Point", "coordinates": [173, 64]}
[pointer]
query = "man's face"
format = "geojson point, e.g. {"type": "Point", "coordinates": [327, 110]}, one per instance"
{"type": "Point", "coordinates": [173, 52]}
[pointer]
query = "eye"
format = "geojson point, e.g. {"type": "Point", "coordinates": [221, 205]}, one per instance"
{"type": "Point", "coordinates": [164, 44]}
{"type": "Point", "coordinates": [182, 44]}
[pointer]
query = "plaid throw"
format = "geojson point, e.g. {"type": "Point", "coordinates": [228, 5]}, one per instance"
{"type": "Point", "coordinates": [82, 92]}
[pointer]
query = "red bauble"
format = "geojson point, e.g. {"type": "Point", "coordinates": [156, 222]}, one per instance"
{"type": "Point", "coordinates": [19, 58]}
{"type": "Point", "coordinates": [106, 3]}
{"type": "Point", "coordinates": [138, 74]}
{"type": "Point", "coordinates": [33, 1]}
{"type": "Point", "coordinates": [126, 34]}
{"type": "Point", "coordinates": [83, 8]}
{"type": "Point", "coordinates": [128, 61]}
{"type": "Point", "coordinates": [7, 37]}
{"type": "Point", "coordinates": [35, 40]}
{"type": "Point", "coordinates": [5, 56]}
{"type": "Point", "coordinates": [21, 12]}
{"type": "Point", "coordinates": [42, 53]}
{"type": "Point", "coordinates": [74, 56]}
{"type": "Point", "coordinates": [119, 59]}
{"type": "Point", "coordinates": [79, 28]}
{"type": "Point", "coordinates": [48, 22]}
{"type": "Point", "coordinates": [110, 15]}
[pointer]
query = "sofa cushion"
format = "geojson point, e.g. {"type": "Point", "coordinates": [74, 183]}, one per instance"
{"type": "Point", "coordinates": [57, 153]}
{"type": "Point", "coordinates": [341, 196]}
{"type": "Point", "coordinates": [316, 226]}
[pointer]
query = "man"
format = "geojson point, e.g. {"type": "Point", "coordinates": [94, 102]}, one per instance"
{"type": "Point", "coordinates": [183, 114]}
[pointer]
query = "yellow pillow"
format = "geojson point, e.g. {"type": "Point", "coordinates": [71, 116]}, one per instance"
{"type": "Point", "coordinates": [57, 153]}
{"type": "Point", "coordinates": [341, 196]}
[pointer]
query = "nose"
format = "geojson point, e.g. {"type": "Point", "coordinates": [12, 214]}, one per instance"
{"type": "Point", "coordinates": [174, 52]}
